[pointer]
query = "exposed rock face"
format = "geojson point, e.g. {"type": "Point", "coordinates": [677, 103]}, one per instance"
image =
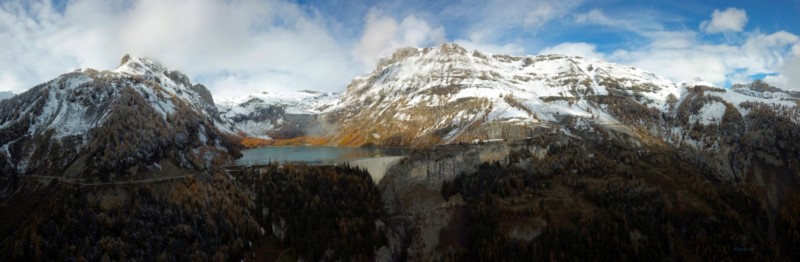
{"type": "Point", "coordinates": [202, 91]}
{"type": "Point", "coordinates": [125, 59]}
{"type": "Point", "coordinates": [107, 122]}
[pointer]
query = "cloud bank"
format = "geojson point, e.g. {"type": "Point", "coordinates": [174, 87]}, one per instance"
{"type": "Point", "coordinates": [685, 54]}
{"type": "Point", "coordinates": [246, 46]}
{"type": "Point", "coordinates": [235, 47]}
{"type": "Point", "coordinates": [383, 35]}
{"type": "Point", "coordinates": [574, 49]}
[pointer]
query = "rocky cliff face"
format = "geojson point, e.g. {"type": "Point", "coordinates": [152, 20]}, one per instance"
{"type": "Point", "coordinates": [101, 124]}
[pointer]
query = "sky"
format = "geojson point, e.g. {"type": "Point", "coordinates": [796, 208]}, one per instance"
{"type": "Point", "coordinates": [237, 47]}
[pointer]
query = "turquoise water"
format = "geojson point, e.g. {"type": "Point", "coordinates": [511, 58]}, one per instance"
{"type": "Point", "coordinates": [314, 154]}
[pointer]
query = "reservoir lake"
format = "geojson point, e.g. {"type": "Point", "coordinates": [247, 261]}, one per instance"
{"type": "Point", "coordinates": [375, 160]}
{"type": "Point", "coordinates": [314, 154]}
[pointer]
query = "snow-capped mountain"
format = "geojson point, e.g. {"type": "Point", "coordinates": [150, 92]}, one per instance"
{"type": "Point", "coordinates": [111, 122]}
{"type": "Point", "coordinates": [447, 94]}
{"type": "Point", "coordinates": [421, 97]}
{"type": "Point", "coordinates": [6, 95]}
{"type": "Point", "coordinates": [275, 115]}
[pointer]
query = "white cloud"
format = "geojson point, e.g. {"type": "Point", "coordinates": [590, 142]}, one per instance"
{"type": "Point", "coordinates": [680, 56]}
{"type": "Point", "coordinates": [635, 22]}
{"type": "Point", "coordinates": [245, 46]}
{"type": "Point", "coordinates": [536, 14]}
{"type": "Point", "coordinates": [383, 35]}
{"type": "Point", "coordinates": [684, 54]}
{"type": "Point", "coordinates": [789, 74]}
{"type": "Point", "coordinates": [574, 49]}
{"type": "Point", "coordinates": [271, 45]}
{"type": "Point", "coordinates": [495, 14]}
{"type": "Point", "coordinates": [489, 25]}
{"type": "Point", "coordinates": [476, 42]}
{"type": "Point", "coordinates": [596, 16]}
{"type": "Point", "coordinates": [729, 20]}
{"type": "Point", "coordinates": [599, 17]}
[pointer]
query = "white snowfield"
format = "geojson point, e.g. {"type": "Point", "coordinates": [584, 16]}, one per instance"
{"type": "Point", "coordinates": [300, 102]}
{"type": "Point", "coordinates": [248, 113]}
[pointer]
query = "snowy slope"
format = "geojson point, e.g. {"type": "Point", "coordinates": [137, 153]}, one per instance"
{"type": "Point", "coordinates": [264, 114]}
{"type": "Point", "coordinates": [301, 102]}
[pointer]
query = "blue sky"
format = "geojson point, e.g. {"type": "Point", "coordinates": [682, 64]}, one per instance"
{"type": "Point", "coordinates": [237, 47]}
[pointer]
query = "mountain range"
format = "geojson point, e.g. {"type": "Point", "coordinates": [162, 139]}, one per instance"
{"type": "Point", "coordinates": [602, 132]}
{"type": "Point", "coordinates": [428, 96]}
{"type": "Point", "coordinates": [422, 97]}
{"type": "Point", "coordinates": [418, 97]}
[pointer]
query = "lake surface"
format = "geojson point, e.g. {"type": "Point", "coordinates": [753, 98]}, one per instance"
{"type": "Point", "coordinates": [314, 154]}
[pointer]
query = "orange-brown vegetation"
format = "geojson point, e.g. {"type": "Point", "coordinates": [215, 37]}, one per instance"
{"type": "Point", "coordinates": [251, 142]}
{"type": "Point", "coordinates": [202, 219]}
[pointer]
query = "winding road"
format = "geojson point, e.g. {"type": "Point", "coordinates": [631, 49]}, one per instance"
{"type": "Point", "coordinates": [131, 182]}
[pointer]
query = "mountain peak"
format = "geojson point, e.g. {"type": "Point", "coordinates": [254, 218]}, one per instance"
{"type": "Point", "coordinates": [445, 49]}
{"type": "Point", "coordinates": [139, 66]}
{"type": "Point", "coordinates": [451, 48]}
{"type": "Point", "coordinates": [398, 55]}
{"type": "Point", "coordinates": [125, 59]}
{"type": "Point", "coordinates": [144, 66]}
